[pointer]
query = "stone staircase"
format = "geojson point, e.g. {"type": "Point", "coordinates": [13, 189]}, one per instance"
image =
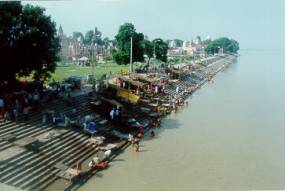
{"type": "Point", "coordinates": [34, 170]}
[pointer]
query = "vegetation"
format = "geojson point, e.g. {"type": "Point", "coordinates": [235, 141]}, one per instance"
{"type": "Point", "coordinates": [93, 37]}
{"type": "Point", "coordinates": [28, 42]}
{"type": "Point", "coordinates": [161, 48]}
{"type": "Point", "coordinates": [178, 42]}
{"type": "Point", "coordinates": [100, 69]}
{"type": "Point", "coordinates": [148, 49]}
{"type": "Point", "coordinates": [141, 46]}
{"type": "Point", "coordinates": [228, 45]}
{"type": "Point", "coordinates": [79, 36]}
{"type": "Point", "coordinates": [122, 54]}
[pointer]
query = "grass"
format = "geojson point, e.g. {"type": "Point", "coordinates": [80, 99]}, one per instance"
{"type": "Point", "coordinates": [63, 72]}
{"type": "Point", "coordinates": [67, 70]}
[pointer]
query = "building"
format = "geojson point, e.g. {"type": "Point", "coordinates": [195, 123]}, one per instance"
{"type": "Point", "coordinates": [188, 48]}
{"type": "Point", "coordinates": [72, 49]}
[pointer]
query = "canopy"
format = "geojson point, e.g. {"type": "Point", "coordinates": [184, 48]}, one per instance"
{"type": "Point", "coordinates": [132, 82]}
{"type": "Point", "coordinates": [84, 58]}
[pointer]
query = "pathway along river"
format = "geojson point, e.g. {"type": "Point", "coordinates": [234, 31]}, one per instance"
{"type": "Point", "coordinates": [231, 136]}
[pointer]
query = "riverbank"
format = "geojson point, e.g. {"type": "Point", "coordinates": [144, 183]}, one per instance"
{"type": "Point", "coordinates": [68, 145]}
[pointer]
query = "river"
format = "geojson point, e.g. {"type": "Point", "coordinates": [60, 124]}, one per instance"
{"type": "Point", "coordinates": [231, 136]}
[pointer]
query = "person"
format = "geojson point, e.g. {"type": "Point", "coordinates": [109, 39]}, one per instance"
{"type": "Point", "coordinates": [44, 118]}
{"type": "Point", "coordinates": [137, 145]}
{"type": "Point", "coordinates": [186, 103]}
{"type": "Point", "coordinates": [78, 166]}
{"type": "Point", "coordinates": [15, 112]}
{"type": "Point", "coordinates": [97, 87]}
{"type": "Point", "coordinates": [131, 138]}
{"type": "Point", "coordinates": [91, 164]}
{"type": "Point", "coordinates": [158, 109]}
{"type": "Point", "coordinates": [7, 116]}
{"type": "Point", "coordinates": [112, 114]}
{"type": "Point", "coordinates": [177, 90]}
{"type": "Point", "coordinates": [1, 106]}
{"type": "Point", "coordinates": [141, 128]}
{"type": "Point", "coordinates": [156, 89]}
{"type": "Point", "coordinates": [117, 113]}
{"type": "Point", "coordinates": [107, 154]}
{"type": "Point", "coordinates": [26, 113]}
{"type": "Point", "coordinates": [152, 135]}
{"type": "Point", "coordinates": [18, 106]}
{"type": "Point", "coordinates": [36, 99]}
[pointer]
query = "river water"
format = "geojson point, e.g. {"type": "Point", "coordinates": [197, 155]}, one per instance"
{"type": "Point", "coordinates": [231, 136]}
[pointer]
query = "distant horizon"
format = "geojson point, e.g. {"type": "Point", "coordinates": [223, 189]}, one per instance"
{"type": "Point", "coordinates": [254, 24]}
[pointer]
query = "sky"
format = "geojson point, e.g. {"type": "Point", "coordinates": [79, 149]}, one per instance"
{"type": "Point", "coordinates": [255, 24]}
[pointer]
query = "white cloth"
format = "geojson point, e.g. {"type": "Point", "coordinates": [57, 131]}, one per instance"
{"type": "Point", "coordinates": [107, 153]}
{"type": "Point", "coordinates": [156, 89]}
{"type": "Point", "coordinates": [112, 112]}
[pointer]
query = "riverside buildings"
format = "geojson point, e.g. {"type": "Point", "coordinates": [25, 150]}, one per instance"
{"type": "Point", "coordinates": [74, 49]}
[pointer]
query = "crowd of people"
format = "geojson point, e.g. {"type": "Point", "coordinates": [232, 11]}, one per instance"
{"type": "Point", "coordinates": [14, 104]}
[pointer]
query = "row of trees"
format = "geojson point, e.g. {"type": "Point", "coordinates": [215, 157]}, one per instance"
{"type": "Point", "coordinates": [228, 45]}
{"type": "Point", "coordinates": [28, 42]}
{"type": "Point", "coordinates": [141, 46]}
{"type": "Point", "coordinates": [92, 37]}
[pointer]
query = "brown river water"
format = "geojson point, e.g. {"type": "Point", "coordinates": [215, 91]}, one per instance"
{"type": "Point", "coordinates": [230, 137]}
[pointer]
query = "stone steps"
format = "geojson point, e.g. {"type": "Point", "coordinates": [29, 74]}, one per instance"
{"type": "Point", "coordinates": [30, 169]}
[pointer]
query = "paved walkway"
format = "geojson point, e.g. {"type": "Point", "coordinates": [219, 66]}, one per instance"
{"type": "Point", "coordinates": [5, 187]}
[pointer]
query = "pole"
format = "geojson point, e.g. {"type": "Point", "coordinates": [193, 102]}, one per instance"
{"type": "Point", "coordinates": [93, 77]}
{"type": "Point", "coordinates": [154, 50]}
{"type": "Point", "coordinates": [131, 56]}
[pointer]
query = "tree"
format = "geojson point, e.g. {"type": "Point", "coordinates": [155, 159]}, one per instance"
{"type": "Point", "coordinates": [160, 48]}
{"type": "Point", "coordinates": [28, 42]}
{"type": "Point", "coordinates": [178, 42]}
{"type": "Point", "coordinates": [79, 36]}
{"type": "Point", "coordinates": [228, 45]}
{"type": "Point", "coordinates": [122, 54]}
{"type": "Point", "coordinates": [97, 37]}
{"type": "Point", "coordinates": [206, 42]}
{"type": "Point", "coordinates": [93, 37]}
{"type": "Point", "coordinates": [168, 42]}
{"type": "Point", "coordinates": [9, 27]}
{"type": "Point", "coordinates": [148, 49]}
{"type": "Point", "coordinates": [89, 36]}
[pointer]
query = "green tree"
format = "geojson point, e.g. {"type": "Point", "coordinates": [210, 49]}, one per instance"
{"type": "Point", "coordinates": [122, 54]}
{"type": "Point", "coordinates": [206, 42]}
{"type": "Point", "coordinates": [178, 42]}
{"type": "Point", "coordinates": [9, 28]}
{"type": "Point", "coordinates": [28, 42]}
{"type": "Point", "coordinates": [89, 36]}
{"type": "Point", "coordinates": [168, 42]}
{"type": "Point", "coordinates": [78, 35]}
{"type": "Point", "coordinates": [228, 45]}
{"type": "Point", "coordinates": [148, 49]}
{"type": "Point", "coordinates": [97, 37]}
{"type": "Point", "coordinates": [160, 48]}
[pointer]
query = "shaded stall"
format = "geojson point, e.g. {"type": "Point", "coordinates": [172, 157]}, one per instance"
{"type": "Point", "coordinates": [130, 84]}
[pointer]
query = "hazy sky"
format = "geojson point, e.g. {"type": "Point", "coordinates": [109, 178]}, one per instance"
{"type": "Point", "coordinates": [254, 23]}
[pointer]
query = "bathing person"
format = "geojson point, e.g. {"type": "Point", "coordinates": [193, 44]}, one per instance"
{"type": "Point", "coordinates": [152, 135]}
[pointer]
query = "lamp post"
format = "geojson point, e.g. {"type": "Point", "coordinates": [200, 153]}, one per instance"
{"type": "Point", "coordinates": [131, 55]}
{"type": "Point", "coordinates": [92, 60]}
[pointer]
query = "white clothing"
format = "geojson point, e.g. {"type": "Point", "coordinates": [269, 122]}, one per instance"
{"type": "Point", "coordinates": [107, 153]}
